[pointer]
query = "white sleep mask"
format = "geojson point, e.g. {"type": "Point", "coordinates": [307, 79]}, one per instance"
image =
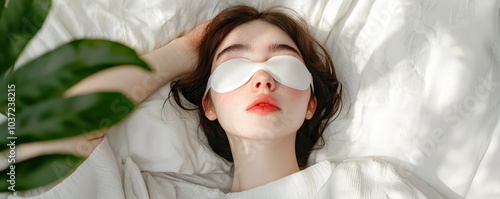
{"type": "Point", "coordinates": [285, 69]}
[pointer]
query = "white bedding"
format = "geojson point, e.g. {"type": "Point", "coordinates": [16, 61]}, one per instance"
{"type": "Point", "coordinates": [421, 81]}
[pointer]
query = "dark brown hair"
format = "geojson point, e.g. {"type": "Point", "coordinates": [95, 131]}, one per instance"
{"type": "Point", "coordinates": [327, 88]}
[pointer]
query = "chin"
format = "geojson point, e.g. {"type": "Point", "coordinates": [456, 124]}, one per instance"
{"type": "Point", "coordinates": [264, 133]}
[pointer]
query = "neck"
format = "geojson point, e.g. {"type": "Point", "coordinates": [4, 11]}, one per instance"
{"type": "Point", "coordinates": [257, 162]}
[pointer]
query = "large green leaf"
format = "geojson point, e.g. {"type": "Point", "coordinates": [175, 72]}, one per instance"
{"type": "Point", "coordinates": [19, 22]}
{"type": "Point", "coordinates": [59, 117]}
{"type": "Point", "coordinates": [39, 171]}
{"type": "Point", "coordinates": [2, 6]}
{"type": "Point", "coordinates": [53, 73]}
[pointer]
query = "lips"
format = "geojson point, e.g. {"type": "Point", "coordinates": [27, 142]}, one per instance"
{"type": "Point", "coordinates": [263, 104]}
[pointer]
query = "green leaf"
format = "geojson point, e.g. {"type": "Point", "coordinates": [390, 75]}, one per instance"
{"type": "Point", "coordinates": [52, 74]}
{"type": "Point", "coordinates": [61, 118]}
{"type": "Point", "coordinates": [39, 171]}
{"type": "Point", "coordinates": [19, 22]}
{"type": "Point", "coordinates": [2, 6]}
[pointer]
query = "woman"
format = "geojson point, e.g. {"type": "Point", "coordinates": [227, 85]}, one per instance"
{"type": "Point", "coordinates": [261, 83]}
{"type": "Point", "coordinates": [283, 123]}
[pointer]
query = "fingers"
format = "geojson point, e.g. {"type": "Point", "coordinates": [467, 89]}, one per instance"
{"type": "Point", "coordinates": [82, 145]}
{"type": "Point", "coordinates": [194, 36]}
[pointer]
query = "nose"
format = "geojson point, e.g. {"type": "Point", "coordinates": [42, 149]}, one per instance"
{"type": "Point", "coordinates": [263, 80]}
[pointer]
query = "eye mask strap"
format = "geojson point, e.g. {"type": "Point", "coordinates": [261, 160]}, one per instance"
{"type": "Point", "coordinates": [285, 69]}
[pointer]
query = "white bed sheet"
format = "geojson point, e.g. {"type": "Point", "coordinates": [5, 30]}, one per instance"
{"type": "Point", "coordinates": [422, 82]}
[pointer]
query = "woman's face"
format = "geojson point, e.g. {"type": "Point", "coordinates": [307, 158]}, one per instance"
{"type": "Point", "coordinates": [262, 108]}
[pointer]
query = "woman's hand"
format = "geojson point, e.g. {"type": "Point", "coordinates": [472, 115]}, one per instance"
{"type": "Point", "coordinates": [177, 57]}
{"type": "Point", "coordinates": [81, 145]}
{"type": "Point", "coordinates": [193, 38]}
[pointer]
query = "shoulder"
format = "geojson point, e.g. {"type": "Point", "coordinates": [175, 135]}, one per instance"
{"type": "Point", "coordinates": [367, 164]}
{"type": "Point", "coordinates": [368, 170]}
{"type": "Point", "coordinates": [376, 177]}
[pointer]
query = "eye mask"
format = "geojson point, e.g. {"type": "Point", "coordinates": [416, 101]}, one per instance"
{"type": "Point", "coordinates": [285, 69]}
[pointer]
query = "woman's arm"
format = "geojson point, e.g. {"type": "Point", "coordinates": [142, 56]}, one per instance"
{"type": "Point", "coordinates": [168, 62]}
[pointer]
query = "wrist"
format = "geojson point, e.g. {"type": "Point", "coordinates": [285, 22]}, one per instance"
{"type": "Point", "coordinates": [176, 58]}
{"type": "Point", "coordinates": [186, 44]}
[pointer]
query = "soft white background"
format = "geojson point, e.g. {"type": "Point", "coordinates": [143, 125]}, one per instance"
{"type": "Point", "coordinates": [421, 82]}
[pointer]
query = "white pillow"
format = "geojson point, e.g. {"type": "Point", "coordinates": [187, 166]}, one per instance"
{"type": "Point", "coordinates": [161, 137]}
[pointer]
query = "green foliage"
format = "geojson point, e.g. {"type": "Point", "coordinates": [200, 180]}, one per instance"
{"type": "Point", "coordinates": [65, 117]}
{"type": "Point", "coordinates": [39, 171]}
{"type": "Point", "coordinates": [2, 2]}
{"type": "Point", "coordinates": [32, 97]}
{"type": "Point", "coordinates": [19, 22]}
{"type": "Point", "coordinates": [56, 71]}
